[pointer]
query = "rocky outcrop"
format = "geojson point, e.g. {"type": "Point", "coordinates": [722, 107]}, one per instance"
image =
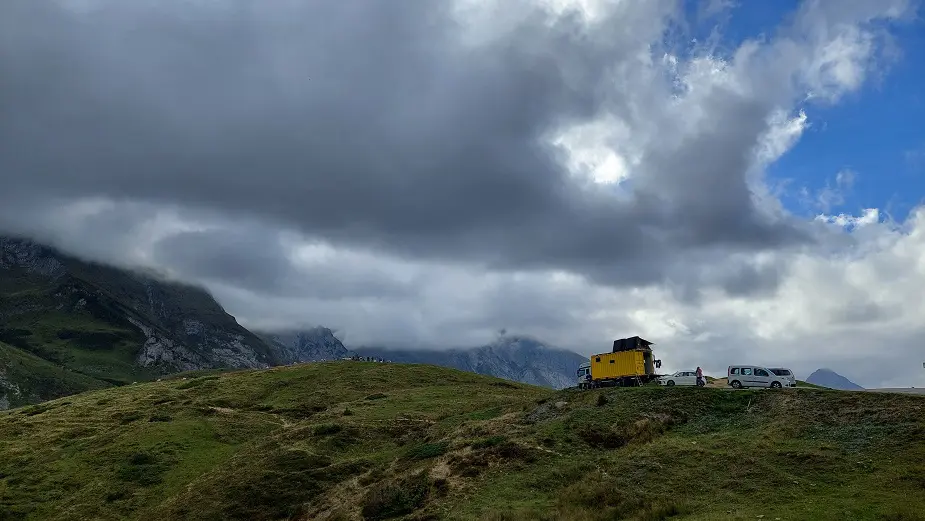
{"type": "Point", "coordinates": [9, 391]}
{"type": "Point", "coordinates": [31, 257]}
{"type": "Point", "coordinates": [159, 351]}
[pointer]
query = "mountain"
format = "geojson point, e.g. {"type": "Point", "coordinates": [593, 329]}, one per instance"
{"type": "Point", "coordinates": [356, 441]}
{"type": "Point", "coordinates": [311, 345]}
{"type": "Point", "coordinates": [517, 358]}
{"type": "Point", "coordinates": [94, 325]}
{"type": "Point", "coordinates": [832, 380]}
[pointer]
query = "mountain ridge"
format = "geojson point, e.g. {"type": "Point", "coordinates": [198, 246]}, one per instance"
{"type": "Point", "coordinates": [520, 358]}
{"type": "Point", "coordinates": [109, 324]}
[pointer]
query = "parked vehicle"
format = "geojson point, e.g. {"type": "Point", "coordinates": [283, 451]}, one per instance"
{"type": "Point", "coordinates": [584, 375]}
{"type": "Point", "coordinates": [739, 376]}
{"type": "Point", "coordinates": [679, 378]}
{"type": "Point", "coordinates": [631, 363]}
{"type": "Point", "coordinates": [783, 372]}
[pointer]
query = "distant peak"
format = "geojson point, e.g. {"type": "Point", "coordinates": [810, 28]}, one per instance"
{"type": "Point", "coordinates": [829, 378]}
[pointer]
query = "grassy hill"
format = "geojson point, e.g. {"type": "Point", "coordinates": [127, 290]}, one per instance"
{"type": "Point", "coordinates": [355, 440]}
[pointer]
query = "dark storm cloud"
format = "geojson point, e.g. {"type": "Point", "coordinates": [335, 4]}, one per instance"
{"type": "Point", "coordinates": [747, 280]}
{"type": "Point", "coordinates": [257, 260]}
{"type": "Point", "coordinates": [365, 123]}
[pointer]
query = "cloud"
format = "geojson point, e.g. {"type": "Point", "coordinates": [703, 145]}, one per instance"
{"type": "Point", "coordinates": [426, 173]}
{"type": "Point", "coordinates": [832, 194]}
{"type": "Point", "coordinates": [431, 146]}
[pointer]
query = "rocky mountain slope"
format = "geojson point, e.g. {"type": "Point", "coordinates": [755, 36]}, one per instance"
{"type": "Point", "coordinates": [311, 345]}
{"type": "Point", "coordinates": [517, 358]}
{"type": "Point", "coordinates": [832, 380]}
{"type": "Point", "coordinates": [104, 326]}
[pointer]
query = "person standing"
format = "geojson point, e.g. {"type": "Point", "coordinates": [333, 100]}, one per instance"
{"type": "Point", "coordinates": [700, 381]}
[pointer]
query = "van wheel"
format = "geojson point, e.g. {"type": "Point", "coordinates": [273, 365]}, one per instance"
{"type": "Point", "coordinates": [775, 385]}
{"type": "Point", "coordinates": [670, 383]}
{"type": "Point", "coordinates": [736, 384]}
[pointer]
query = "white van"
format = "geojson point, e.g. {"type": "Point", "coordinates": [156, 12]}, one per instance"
{"type": "Point", "coordinates": [739, 376]}
{"type": "Point", "coordinates": [785, 373]}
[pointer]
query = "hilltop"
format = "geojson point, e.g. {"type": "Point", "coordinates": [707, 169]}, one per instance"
{"type": "Point", "coordinates": [355, 440]}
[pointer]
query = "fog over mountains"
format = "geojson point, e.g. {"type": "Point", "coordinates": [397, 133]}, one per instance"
{"type": "Point", "coordinates": [67, 325]}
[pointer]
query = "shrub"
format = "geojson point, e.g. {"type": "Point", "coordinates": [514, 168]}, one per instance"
{"type": "Point", "coordinates": [488, 442]}
{"type": "Point", "coordinates": [426, 451]}
{"type": "Point", "coordinates": [326, 429]}
{"type": "Point", "coordinates": [142, 468]}
{"type": "Point", "coordinates": [397, 499]}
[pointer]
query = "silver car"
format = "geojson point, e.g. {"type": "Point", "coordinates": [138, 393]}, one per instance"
{"type": "Point", "coordinates": [679, 378]}
{"type": "Point", "coordinates": [741, 376]}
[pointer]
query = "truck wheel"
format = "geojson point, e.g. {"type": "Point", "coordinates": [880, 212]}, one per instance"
{"type": "Point", "coordinates": [736, 384]}
{"type": "Point", "coordinates": [670, 383]}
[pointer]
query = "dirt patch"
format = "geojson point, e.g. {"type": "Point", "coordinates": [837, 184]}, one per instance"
{"type": "Point", "coordinates": [473, 462]}
{"type": "Point", "coordinates": [641, 430]}
{"type": "Point", "coordinates": [544, 412]}
{"type": "Point", "coordinates": [441, 470]}
{"type": "Point", "coordinates": [401, 497]}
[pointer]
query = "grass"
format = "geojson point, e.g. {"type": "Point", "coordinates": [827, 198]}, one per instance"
{"type": "Point", "coordinates": [441, 444]}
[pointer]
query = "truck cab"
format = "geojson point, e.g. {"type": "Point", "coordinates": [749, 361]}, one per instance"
{"type": "Point", "coordinates": [584, 375]}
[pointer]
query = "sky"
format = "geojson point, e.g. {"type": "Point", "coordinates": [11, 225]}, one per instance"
{"type": "Point", "coordinates": [738, 182]}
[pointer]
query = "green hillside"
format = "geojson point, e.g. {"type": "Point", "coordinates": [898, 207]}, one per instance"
{"type": "Point", "coordinates": [107, 325]}
{"type": "Point", "coordinates": [66, 322]}
{"type": "Point", "coordinates": [354, 440]}
{"type": "Point", "coordinates": [21, 373]}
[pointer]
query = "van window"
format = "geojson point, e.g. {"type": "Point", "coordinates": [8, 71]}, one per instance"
{"type": "Point", "coordinates": [761, 372]}
{"type": "Point", "coordinates": [781, 372]}
{"type": "Point", "coordinates": [735, 370]}
{"type": "Point", "coordinates": [746, 371]}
